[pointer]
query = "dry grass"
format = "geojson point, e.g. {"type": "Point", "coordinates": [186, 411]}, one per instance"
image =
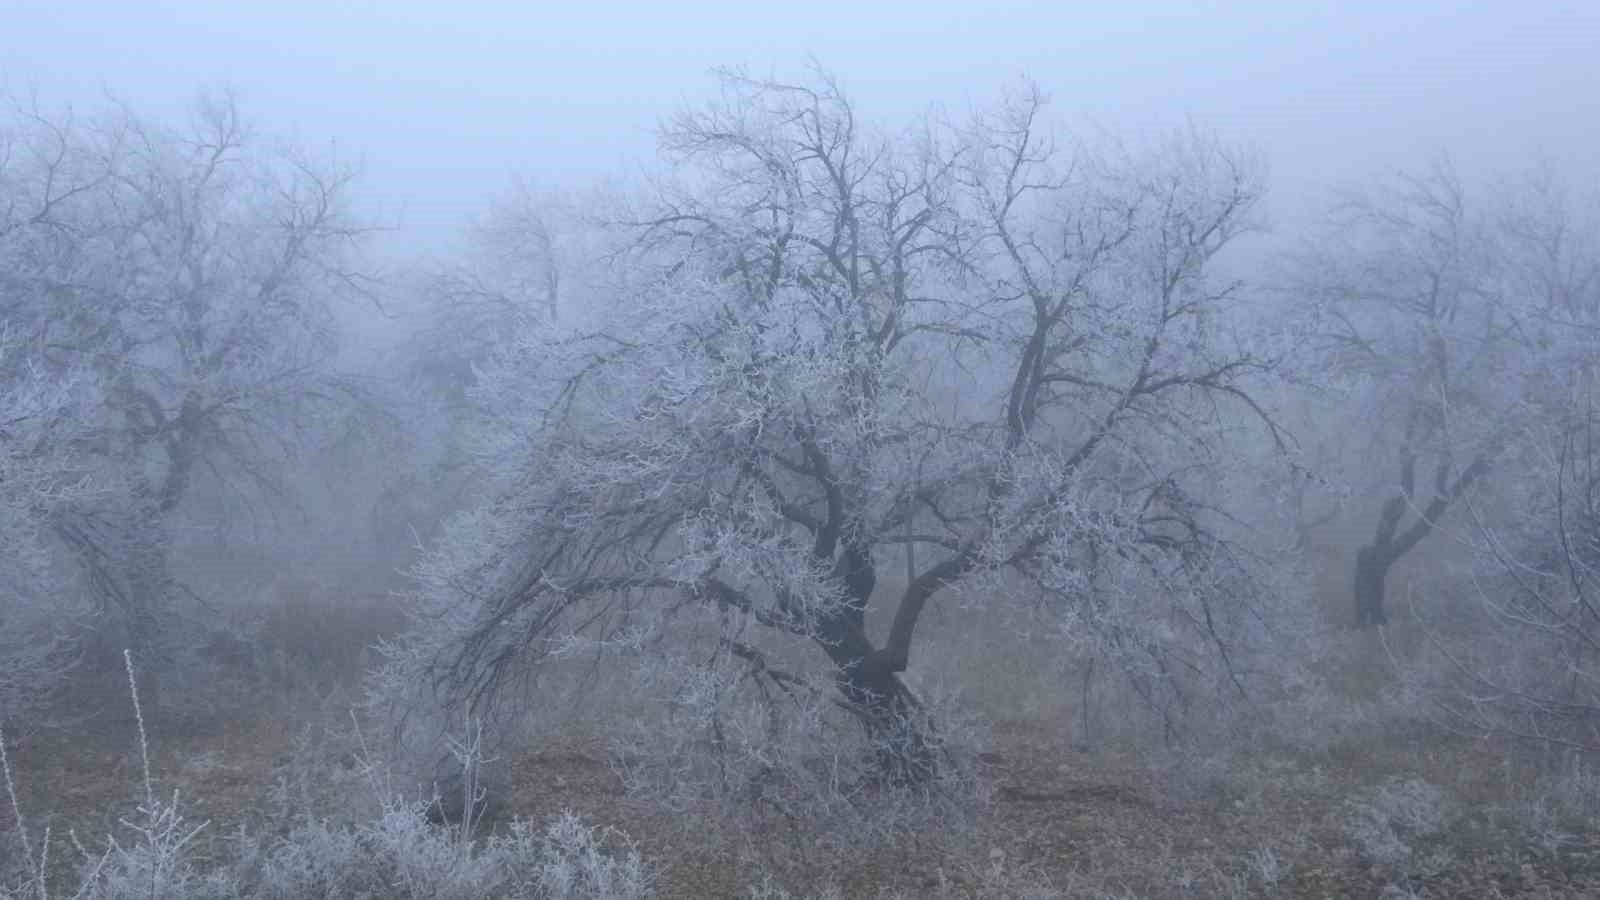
{"type": "Point", "coordinates": [1409, 814]}
{"type": "Point", "coordinates": [1384, 806]}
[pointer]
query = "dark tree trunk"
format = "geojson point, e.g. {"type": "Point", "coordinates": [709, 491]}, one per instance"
{"type": "Point", "coordinates": [870, 688]}
{"type": "Point", "coordinates": [1372, 569]}
{"type": "Point", "coordinates": [889, 713]}
{"type": "Point", "coordinates": [1390, 543]}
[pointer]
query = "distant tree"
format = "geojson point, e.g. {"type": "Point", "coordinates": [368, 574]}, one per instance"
{"type": "Point", "coordinates": [827, 348]}
{"type": "Point", "coordinates": [45, 443]}
{"type": "Point", "coordinates": [1429, 341]}
{"type": "Point", "coordinates": [186, 277]}
{"type": "Point", "coordinates": [533, 254]}
{"type": "Point", "coordinates": [519, 270]}
{"type": "Point", "coordinates": [1532, 672]}
{"type": "Point", "coordinates": [41, 475]}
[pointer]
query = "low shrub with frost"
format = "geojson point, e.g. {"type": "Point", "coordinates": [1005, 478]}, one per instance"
{"type": "Point", "coordinates": [399, 854]}
{"type": "Point", "coordinates": [153, 859]}
{"type": "Point", "coordinates": [1389, 821]}
{"type": "Point", "coordinates": [402, 854]}
{"type": "Point", "coordinates": [576, 864]}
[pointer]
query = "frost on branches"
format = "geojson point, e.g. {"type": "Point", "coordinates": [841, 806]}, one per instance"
{"type": "Point", "coordinates": [182, 279]}
{"type": "Point", "coordinates": [40, 476]}
{"type": "Point", "coordinates": [984, 359]}
{"type": "Point", "coordinates": [1456, 320]}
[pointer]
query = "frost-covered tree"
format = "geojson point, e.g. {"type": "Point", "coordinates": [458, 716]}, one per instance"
{"type": "Point", "coordinates": [985, 356]}
{"type": "Point", "coordinates": [41, 475]}
{"type": "Point", "coordinates": [523, 264]}
{"type": "Point", "coordinates": [533, 253]}
{"type": "Point", "coordinates": [1530, 670]}
{"type": "Point", "coordinates": [44, 441]}
{"type": "Point", "coordinates": [184, 276]}
{"type": "Point", "coordinates": [1431, 337]}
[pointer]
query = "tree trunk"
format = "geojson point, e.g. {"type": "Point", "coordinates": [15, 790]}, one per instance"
{"type": "Point", "coordinates": [1372, 570]}
{"type": "Point", "coordinates": [871, 689]}
{"type": "Point", "coordinates": [903, 744]}
{"type": "Point", "coordinates": [1389, 544]}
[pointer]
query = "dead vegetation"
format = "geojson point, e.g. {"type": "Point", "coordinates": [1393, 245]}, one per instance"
{"type": "Point", "coordinates": [1387, 806]}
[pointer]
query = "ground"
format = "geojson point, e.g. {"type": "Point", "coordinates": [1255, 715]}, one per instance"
{"type": "Point", "coordinates": [1080, 822]}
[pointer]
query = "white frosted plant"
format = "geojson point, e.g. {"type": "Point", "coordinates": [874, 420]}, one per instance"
{"type": "Point", "coordinates": [985, 358]}
{"type": "Point", "coordinates": [177, 285]}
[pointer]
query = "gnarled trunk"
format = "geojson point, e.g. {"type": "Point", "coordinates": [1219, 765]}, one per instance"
{"type": "Point", "coordinates": [869, 685]}
{"type": "Point", "coordinates": [1390, 543]}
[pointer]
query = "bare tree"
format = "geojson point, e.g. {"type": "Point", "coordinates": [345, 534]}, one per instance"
{"type": "Point", "coordinates": [523, 266]}
{"type": "Point", "coordinates": [186, 276]}
{"type": "Point", "coordinates": [1530, 671]}
{"type": "Point", "coordinates": [827, 347]}
{"type": "Point", "coordinates": [45, 468]}
{"type": "Point", "coordinates": [1420, 328]}
{"type": "Point", "coordinates": [41, 474]}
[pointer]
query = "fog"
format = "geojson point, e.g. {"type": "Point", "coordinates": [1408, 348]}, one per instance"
{"type": "Point", "coordinates": [445, 102]}
{"type": "Point", "coordinates": [819, 450]}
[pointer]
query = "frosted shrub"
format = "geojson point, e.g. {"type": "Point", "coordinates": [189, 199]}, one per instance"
{"type": "Point", "coordinates": [314, 860]}
{"type": "Point", "coordinates": [1388, 823]}
{"type": "Point", "coordinates": [576, 865]}
{"type": "Point", "coordinates": [403, 855]}
{"type": "Point", "coordinates": [157, 864]}
{"type": "Point", "coordinates": [400, 854]}
{"type": "Point", "coordinates": [767, 889]}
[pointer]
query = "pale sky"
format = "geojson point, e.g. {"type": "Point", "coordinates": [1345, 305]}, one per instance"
{"type": "Point", "coordinates": [446, 101]}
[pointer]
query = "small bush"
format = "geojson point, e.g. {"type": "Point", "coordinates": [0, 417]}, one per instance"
{"type": "Point", "coordinates": [400, 854]}
{"type": "Point", "coordinates": [1391, 820]}
{"type": "Point", "coordinates": [403, 855]}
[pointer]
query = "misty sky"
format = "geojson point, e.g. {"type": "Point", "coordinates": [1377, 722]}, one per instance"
{"type": "Point", "coordinates": [445, 101]}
